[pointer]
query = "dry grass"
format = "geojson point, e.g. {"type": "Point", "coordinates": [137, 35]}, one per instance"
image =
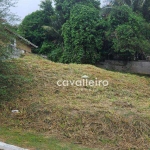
{"type": "Point", "coordinates": [113, 117]}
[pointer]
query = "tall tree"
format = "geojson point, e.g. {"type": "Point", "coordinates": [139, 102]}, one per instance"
{"type": "Point", "coordinates": [38, 26]}
{"type": "Point", "coordinates": [146, 10]}
{"type": "Point", "coordinates": [82, 35]}
{"type": "Point", "coordinates": [139, 6]}
{"type": "Point", "coordinates": [63, 7]}
{"type": "Point", "coordinates": [48, 10]}
{"type": "Point", "coordinates": [52, 24]}
{"type": "Point", "coordinates": [31, 27]}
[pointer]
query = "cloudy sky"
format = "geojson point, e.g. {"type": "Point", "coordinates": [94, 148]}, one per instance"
{"type": "Point", "coordinates": [25, 7]}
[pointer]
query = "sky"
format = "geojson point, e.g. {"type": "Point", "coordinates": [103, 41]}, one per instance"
{"type": "Point", "coordinates": [25, 7]}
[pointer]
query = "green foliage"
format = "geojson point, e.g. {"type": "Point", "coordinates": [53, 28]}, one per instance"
{"type": "Point", "coordinates": [47, 47]}
{"type": "Point", "coordinates": [50, 20]}
{"type": "Point", "coordinates": [40, 26]}
{"type": "Point", "coordinates": [119, 15]}
{"type": "Point", "coordinates": [2, 50]}
{"type": "Point", "coordinates": [56, 53]}
{"type": "Point", "coordinates": [12, 80]}
{"type": "Point", "coordinates": [146, 10]}
{"type": "Point", "coordinates": [64, 7]}
{"type": "Point", "coordinates": [46, 6]}
{"type": "Point", "coordinates": [138, 6]}
{"type": "Point", "coordinates": [82, 36]}
{"type": "Point", "coordinates": [127, 33]}
{"type": "Point", "coordinates": [31, 28]}
{"type": "Point", "coordinates": [52, 49]}
{"type": "Point", "coordinates": [5, 14]}
{"type": "Point", "coordinates": [128, 42]}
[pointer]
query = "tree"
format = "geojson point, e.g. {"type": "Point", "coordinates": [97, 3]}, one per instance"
{"type": "Point", "coordinates": [40, 25]}
{"type": "Point", "coordinates": [63, 7]}
{"type": "Point", "coordinates": [46, 6]}
{"type": "Point", "coordinates": [5, 12]}
{"type": "Point", "coordinates": [31, 27]}
{"type": "Point", "coordinates": [146, 10]}
{"type": "Point", "coordinates": [82, 35]}
{"type": "Point", "coordinates": [47, 10]}
{"type": "Point", "coordinates": [52, 24]}
{"type": "Point", "coordinates": [134, 4]}
{"type": "Point", "coordinates": [6, 18]}
{"type": "Point", "coordinates": [127, 32]}
{"type": "Point", "coordinates": [138, 6]}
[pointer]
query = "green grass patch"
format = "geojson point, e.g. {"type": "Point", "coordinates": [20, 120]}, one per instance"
{"type": "Point", "coordinates": [34, 141]}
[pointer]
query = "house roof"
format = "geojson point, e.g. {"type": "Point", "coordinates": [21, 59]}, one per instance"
{"type": "Point", "coordinates": [22, 38]}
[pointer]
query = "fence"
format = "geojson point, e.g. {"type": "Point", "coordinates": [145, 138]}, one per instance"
{"type": "Point", "coordinates": [140, 67]}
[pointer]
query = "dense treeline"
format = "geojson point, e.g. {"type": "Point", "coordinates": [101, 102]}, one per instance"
{"type": "Point", "coordinates": [80, 31]}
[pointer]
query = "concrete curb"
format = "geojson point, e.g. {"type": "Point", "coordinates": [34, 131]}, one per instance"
{"type": "Point", "coordinates": [4, 146]}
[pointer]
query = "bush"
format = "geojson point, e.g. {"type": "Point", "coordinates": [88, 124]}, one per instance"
{"type": "Point", "coordinates": [127, 34]}
{"type": "Point", "coordinates": [56, 54]}
{"type": "Point", "coordinates": [47, 47]}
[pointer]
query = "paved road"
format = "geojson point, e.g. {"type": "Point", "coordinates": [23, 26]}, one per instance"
{"type": "Point", "coordinates": [4, 146]}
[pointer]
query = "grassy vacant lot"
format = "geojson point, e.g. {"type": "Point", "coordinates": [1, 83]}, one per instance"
{"type": "Point", "coordinates": [109, 118]}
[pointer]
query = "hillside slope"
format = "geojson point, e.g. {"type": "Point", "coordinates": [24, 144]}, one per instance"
{"type": "Point", "coordinates": [112, 117]}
